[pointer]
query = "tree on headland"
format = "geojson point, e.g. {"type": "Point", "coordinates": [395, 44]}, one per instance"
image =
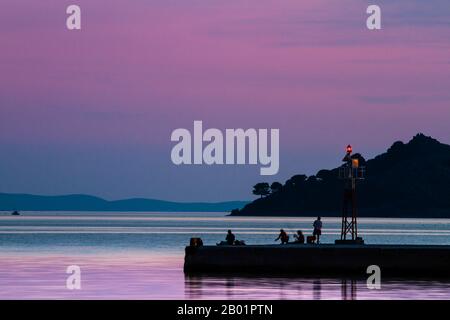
{"type": "Point", "coordinates": [298, 179]}
{"type": "Point", "coordinates": [276, 186]}
{"type": "Point", "coordinates": [261, 189]}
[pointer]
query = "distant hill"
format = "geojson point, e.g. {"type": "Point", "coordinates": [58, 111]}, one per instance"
{"type": "Point", "coordinates": [409, 180]}
{"type": "Point", "coordinates": [79, 202]}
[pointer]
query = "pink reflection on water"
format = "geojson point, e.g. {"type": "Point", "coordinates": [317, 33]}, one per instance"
{"type": "Point", "coordinates": [160, 276]}
{"type": "Point", "coordinates": [110, 276]}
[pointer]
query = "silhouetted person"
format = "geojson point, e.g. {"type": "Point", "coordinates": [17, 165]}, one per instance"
{"type": "Point", "coordinates": [230, 238]}
{"type": "Point", "coordinates": [283, 236]}
{"type": "Point", "coordinates": [317, 229]}
{"type": "Point", "coordinates": [299, 237]}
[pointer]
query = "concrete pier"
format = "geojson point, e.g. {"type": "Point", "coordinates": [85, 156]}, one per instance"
{"type": "Point", "coordinates": [324, 259]}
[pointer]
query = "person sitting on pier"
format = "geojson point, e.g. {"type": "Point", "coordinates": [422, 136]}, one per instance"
{"type": "Point", "coordinates": [317, 229]}
{"type": "Point", "coordinates": [283, 236]}
{"type": "Point", "coordinates": [299, 237]}
{"type": "Point", "coordinates": [230, 238]}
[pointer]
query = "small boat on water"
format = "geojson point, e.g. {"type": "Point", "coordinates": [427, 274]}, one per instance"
{"type": "Point", "coordinates": [15, 213]}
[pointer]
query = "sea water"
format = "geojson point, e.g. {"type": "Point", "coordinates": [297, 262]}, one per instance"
{"type": "Point", "coordinates": [126, 255]}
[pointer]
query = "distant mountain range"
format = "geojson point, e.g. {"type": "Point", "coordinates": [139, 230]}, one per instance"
{"type": "Point", "coordinates": [79, 202]}
{"type": "Point", "coordinates": [409, 180]}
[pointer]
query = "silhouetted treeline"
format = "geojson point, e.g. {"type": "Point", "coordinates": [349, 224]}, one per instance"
{"type": "Point", "coordinates": [409, 180]}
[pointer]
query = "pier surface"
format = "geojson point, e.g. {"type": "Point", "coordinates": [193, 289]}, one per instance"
{"type": "Point", "coordinates": [324, 259]}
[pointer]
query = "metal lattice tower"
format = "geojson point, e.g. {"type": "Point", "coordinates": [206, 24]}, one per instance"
{"type": "Point", "coordinates": [350, 172]}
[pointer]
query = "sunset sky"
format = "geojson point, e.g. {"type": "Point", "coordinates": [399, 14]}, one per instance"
{"type": "Point", "coordinates": [92, 111]}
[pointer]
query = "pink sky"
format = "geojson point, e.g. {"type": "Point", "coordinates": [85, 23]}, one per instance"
{"type": "Point", "coordinates": [102, 102]}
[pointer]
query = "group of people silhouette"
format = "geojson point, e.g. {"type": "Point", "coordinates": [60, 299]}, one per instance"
{"type": "Point", "coordinates": [299, 237]}
{"type": "Point", "coordinates": [284, 237]}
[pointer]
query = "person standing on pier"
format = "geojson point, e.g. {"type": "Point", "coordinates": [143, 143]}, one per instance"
{"type": "Point", "coordinates": [317, 229]}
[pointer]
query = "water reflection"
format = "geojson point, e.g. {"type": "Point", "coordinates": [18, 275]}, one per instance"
{"type": "Point", "coordinates": [249, 287]}
{"type": "Point", "coordinates": [348, 289]}
{"type": "Point", "coordinates": [316, 289]}
{"type": "Point", "coordinates": [152, 276]}
{"type": "Point", "coordinates": [243, 287]}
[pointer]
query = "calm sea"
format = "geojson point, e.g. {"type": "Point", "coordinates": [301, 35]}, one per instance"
{"type": "Point", "coordinates": [140, 256]}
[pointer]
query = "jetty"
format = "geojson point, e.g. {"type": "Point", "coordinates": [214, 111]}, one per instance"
{"type": "Point", "coordinates": [349, 255]}
{"type": "Point", "coordinates": [427, 261]}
